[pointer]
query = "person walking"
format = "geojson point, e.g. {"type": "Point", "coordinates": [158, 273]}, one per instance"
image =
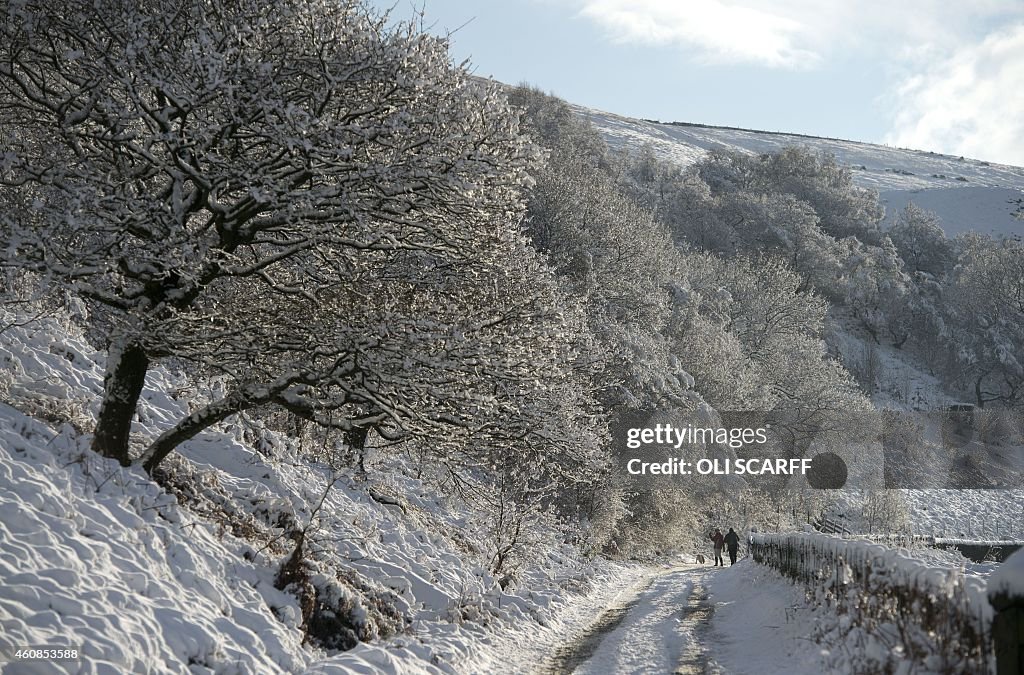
{"type": "Point", "coordinates": [719, 542]}
{"type": "Point", "coordinates": [732, 541]}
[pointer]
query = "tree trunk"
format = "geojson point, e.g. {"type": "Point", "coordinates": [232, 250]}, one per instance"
{"type": "Point", "coordinates": [356, 439]}
{"type": "Point", "coordinates": [122, 386]}
{"type": "Point", "coordinates": [194, 423]}
{"type": "Point", "coordinates": [246, 398]}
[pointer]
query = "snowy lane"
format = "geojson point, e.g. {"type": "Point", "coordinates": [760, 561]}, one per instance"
{"type": "Point", "coordinates": [660, 628]}
{"type": "Point", "coordinates": [762, 624]}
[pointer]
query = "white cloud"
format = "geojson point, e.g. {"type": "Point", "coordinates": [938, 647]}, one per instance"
{"type": "Point", "coordinates": [969, 103]}
{"type": "Point", "coordinates": [716, 30]}
{"type": "Point", "coordinates": [793, 34]}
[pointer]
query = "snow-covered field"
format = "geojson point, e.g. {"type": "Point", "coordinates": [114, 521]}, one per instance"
{"type": "Point", "coordinates": [967, 194]}
{"type": "Point", "coordinates": [101, 558]}
{"type": "Point", "coordinates": [989, 210]}
{"type": "Point", "coordinates": [969, 514]}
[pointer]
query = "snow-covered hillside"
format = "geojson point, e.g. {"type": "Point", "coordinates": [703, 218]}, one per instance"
{"type": "Point", "coordinates": [967, 194]}
{"type": "Point", "coordinates": [180, 575]}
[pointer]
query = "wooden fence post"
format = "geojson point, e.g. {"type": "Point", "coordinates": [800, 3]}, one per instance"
{"type": "Point", "coordinates": [1006, 595]}
{"type": "Point", "coordinates": [1008, 633]}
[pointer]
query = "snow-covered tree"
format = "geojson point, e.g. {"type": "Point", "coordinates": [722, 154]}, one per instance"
{"type": "Point", "coordinates": [757, 331]}
{"type": "Point", "coordinates": [291, 194]}
{"type": "Point", "coordinates": [873, 285]}
{"type": "Point", "coordinates": [919, 238]}
{"type": "Point", "coordinates": [843, 208]}
{"type": "Point", "coordinates": [820, 180]}
{"type": "Point", "coordinates": [611, 253]}
{"type": "Point", "coordinates": [782, 225]}
{"type": "Point", "coordinates": [985, 318]}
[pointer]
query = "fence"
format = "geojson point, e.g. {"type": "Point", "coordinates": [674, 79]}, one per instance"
{"type": "Point", "coordinates": [929, 615]}
{"type": "Point", "coordinates": [830, 526]}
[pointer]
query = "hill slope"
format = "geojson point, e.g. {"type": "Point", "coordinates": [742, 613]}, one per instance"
{"type": "Point", "coordinates": [181, 574]}
{"type": "Point", "coordinates": [967, 194]}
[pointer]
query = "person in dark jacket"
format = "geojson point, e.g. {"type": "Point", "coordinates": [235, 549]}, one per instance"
{"type": "Point", "coordinates": [719, 541]}
{"type": "Point", "coordinates": [732, 541]}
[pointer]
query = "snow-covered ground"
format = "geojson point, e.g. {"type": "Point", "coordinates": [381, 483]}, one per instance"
{"type": "Point", "coordinates": [967, 194]}
{"type": "Point", "coordinates": [989, 210]}
{"type": "Point", "coordinates": [180, 577]}
{"type": "Point", "coordinates": [760, 624]}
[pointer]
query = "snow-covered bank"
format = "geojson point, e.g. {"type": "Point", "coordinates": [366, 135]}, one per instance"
{"type": "Point", "coordinates": [179, 576]}
{"type": "Point", "coordinates": [515, 656]}
{"type": "Point", "coordinates": [104, 560]}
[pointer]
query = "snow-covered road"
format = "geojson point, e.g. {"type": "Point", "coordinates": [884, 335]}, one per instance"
{"type": "Point", "coordinates": [660, 625]}
{"type": "Point", "coordinates": [695, 620]}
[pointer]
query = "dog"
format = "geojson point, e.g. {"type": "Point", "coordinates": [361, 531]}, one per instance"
{"type": "Point", "coordinates": [700, 559]}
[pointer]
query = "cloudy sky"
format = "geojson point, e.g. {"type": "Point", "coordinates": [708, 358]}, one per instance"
{"type": "Point", "coordinates": [943, 75]}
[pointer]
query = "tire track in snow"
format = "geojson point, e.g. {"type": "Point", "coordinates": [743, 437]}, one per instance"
{"type": "Point", "coordinates": [696, 623]}
{"type": "Point", "coordinates": [570, 656]}
{"type": "Point", "coordinates": [662, 625]}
